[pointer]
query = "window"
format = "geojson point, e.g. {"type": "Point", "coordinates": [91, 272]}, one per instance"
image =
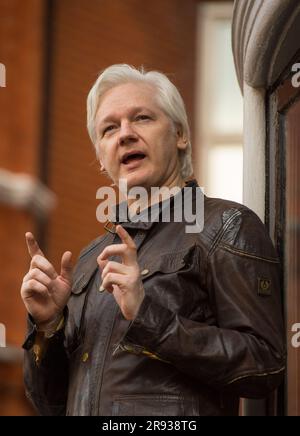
{"type": "Point", "coordinates": [219, 106]}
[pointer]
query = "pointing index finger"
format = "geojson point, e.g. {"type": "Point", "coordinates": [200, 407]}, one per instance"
{"type": "Point", "coordinates": [125, 237]}
{"type": "Point", "coordinates": [32, 245]}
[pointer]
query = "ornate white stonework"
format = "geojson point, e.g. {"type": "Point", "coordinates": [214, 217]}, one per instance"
{"type": "Point", "coordinates": [265, 37]}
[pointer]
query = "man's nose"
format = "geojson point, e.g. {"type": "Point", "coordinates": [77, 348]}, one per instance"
{"type": "Point", "coordinates": [126, 133]}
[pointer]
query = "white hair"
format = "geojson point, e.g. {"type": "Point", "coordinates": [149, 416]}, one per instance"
{"type": "Point", "coordinates": [169, 100]}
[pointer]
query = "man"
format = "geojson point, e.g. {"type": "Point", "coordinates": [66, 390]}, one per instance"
{"type": "Point", "coordinates": [155, 320]}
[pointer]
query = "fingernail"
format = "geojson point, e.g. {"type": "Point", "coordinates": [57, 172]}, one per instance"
{"type": "Point", "coordinates": [101, 289]}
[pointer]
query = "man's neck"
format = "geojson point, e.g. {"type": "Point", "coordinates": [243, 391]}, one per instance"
{"type": "Point", "coordinates": [156, 195]}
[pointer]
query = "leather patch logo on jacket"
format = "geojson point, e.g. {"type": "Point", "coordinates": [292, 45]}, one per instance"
{"type": "Point", "coordinates": [264, 286]}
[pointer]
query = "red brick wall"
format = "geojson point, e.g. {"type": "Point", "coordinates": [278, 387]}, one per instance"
{"type": "Point", "coordinates": [21, 51]}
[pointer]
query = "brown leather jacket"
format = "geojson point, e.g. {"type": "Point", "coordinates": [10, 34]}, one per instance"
{"type": "Point", "coordinates": [209, 329]}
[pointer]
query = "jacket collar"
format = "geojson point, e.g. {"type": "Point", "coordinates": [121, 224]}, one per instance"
{"type": "Point", "coordinates": [143, 224]}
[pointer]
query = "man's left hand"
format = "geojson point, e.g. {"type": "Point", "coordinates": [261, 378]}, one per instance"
{"type": "Point", "coordinates": [123, 280]}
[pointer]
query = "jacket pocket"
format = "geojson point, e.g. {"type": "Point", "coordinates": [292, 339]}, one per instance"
{"type": "Point", "coordinates": [74, 331]}
{"type": "Point", "coordinates": [174, 280]}
{"type": "Point", "coordinates": [152, 405]}
{"type": "Point", "coordinates": [80, 283]}
{"type": "Point", "coordinates": [166, 263]}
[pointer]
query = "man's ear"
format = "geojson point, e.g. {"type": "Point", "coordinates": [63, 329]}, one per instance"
{"type": "Point", "coordinates": [181, 140]}
{"type": "Point", "coordinates": [102, 168]}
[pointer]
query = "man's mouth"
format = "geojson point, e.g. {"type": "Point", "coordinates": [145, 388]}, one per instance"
{"type": "Point", "coordinates": [132, 157]}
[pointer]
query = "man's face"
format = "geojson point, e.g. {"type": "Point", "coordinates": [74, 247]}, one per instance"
{"type": "Point", "coordinates": [136, 140]}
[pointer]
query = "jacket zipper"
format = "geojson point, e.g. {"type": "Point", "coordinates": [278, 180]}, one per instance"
{"type": "Point", "coordinates": [138, 239]}
{"type": "Point", "coordinates": [99, 387]}
{"type": "Point", "coordinates": [263, 374]}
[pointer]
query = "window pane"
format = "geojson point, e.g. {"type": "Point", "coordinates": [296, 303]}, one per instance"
{"type": "Point", "coordinates": [227, 102]}
{"type": "Point", "coordinates": [225, 172]}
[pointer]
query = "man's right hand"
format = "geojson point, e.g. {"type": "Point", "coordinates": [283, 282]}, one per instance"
{"type": "Point", "coordinates": [44, 292]}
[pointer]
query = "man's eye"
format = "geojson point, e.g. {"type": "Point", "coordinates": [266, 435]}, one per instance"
{"type": "Point", "coordinates": [108, 128]}
{"type": "Point", "coordinates": [142, 117]}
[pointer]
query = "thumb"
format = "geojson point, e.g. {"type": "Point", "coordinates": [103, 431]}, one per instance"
{"type": "Point", "coordinates": [66, 266]}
